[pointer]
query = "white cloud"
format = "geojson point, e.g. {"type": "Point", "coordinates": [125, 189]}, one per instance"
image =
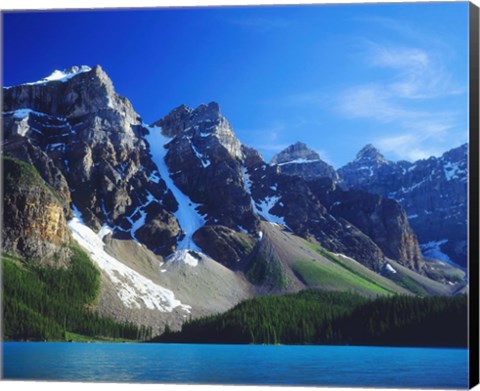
{"type": "Point", "coordinates": [404, 58]}
{"type": "Point", "coordinates": [406, 146]}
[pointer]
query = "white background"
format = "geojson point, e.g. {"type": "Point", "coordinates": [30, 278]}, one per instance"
{"type": "Point", "coordinates": [85, 4]}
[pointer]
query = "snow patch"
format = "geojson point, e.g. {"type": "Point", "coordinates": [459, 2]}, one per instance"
{"type": "Point", "coordinates": [432, 250]}
{"type": "Point", "coordinates": [154, 177]}
{"type": "Point", "coordinates": [140, 222]}
{"type": "Point", "coordinates": [22, 113]}
{"type": "Point", "coordinates": [62, 76]}
{"type": "Point", "coordinates": [262, 208]}
{"type": "Point", "coordinates": [389, 268]}
{"type": "Point", "coordinates": [298, 161]}
{"type": "Point", "coordinates": [187, 215]}
{"type": "Point", "coordinates": [133, 289]}
{"type": "Point", "coordinates": [453, 171]}
{"type": "Point", "coordinates": [205, 162]}
{"type": "Point", "coordinates": [188, 257]}
{"type": "Point", "coordinates": [104, 231]}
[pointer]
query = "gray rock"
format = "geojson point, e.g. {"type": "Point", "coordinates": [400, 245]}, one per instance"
{"type": "Point", "coordinates": [432, 191]}
{"type": "Point", "coordinates": [299, 160]}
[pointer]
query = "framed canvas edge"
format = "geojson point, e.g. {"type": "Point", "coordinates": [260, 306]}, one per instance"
{"type": "Point", "coordinates": [473, 234]}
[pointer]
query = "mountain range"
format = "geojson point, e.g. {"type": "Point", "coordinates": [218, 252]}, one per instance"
{"type": "Point", "coordinates": [182, 220]}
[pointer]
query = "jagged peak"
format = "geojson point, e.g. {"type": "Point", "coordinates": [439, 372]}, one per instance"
{"type": "Point", "coordinates": [370, 153]}
{"type": "Point", "coordinates": [183, 118]}
{"type": "Point", "coordinates": [295, 153]}
{"type": "Point", "coordinates": [209, 112]}
{"type": "Point", "coordinates": [456, 154]}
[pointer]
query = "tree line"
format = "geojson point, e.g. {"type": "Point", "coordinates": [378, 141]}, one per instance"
{"type": "Point", "coordinates": [45, 303]}
{"type": "Point", "coordinates": [338, 318]}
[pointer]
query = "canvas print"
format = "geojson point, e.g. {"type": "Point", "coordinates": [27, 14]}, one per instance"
{"type": "Point", "coordinates": [256, 195]}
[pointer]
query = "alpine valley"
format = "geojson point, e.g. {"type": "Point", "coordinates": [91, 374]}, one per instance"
{"type": "Point", "coordinates": [117, 228]}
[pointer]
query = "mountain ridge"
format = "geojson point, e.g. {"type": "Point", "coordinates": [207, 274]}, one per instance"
{"type": "Point", "coordinates": [184, 191]}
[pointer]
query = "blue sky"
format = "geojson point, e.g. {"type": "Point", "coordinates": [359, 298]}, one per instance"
{"type": "Point", "coordinates": [333, 76]}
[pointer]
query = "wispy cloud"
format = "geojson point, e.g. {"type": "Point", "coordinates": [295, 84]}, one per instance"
{"type": "Point", "coordinates": [405, 98]}
{"type": "Point", "coordinates": [418, 73]}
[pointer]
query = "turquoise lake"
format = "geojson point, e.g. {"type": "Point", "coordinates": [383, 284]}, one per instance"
{"type": "Point", "coordinates": [348, 366]}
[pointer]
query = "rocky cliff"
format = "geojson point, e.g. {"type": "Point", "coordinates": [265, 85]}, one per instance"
{"type": "Point", "coordinates": [34, 219]}
{"type": "Point", "coordinates": [433, 192]}
{"type": "Point", "coordinates": [86, 142]}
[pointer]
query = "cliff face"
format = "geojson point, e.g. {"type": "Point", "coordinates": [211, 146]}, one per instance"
{"type": "Point", "coordinates": [433, 192]}
{"type": "Point", "coordinates": [205, 159]}
{"type": "Point", "coordinates": [87, 143]}
{"type": "Point", "coordinates": [381, 219]}
{"type": "Point", "coordinates": [34, 216]}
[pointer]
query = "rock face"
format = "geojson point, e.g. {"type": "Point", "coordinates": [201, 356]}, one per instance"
{"type": "Point", "coordinates": [381, 219]}
{"type": "Point", "coordinates": [86, 142]}
{"type": "Point", "coordinates": [34, 218]}
{"type": "Point", "coordinates": [225, 245]}
{"type": "Point", "coordinates": [289, 200]}
{"type": "Point", "coordinates": [205, 159]}
{"type": "Point", "coordinates": [432, 191]}
{"type": "Point", "coordinates": [299, 160]}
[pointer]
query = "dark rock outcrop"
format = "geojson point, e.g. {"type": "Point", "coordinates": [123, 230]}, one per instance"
{"type": "Point", "coordinates": [160, 231]}
{"type": "Point", "coordinates": [225, 245]}
{"type": "Point", "coordinates": [381, 219]}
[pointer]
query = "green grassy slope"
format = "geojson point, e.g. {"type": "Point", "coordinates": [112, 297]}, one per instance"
{"type": "Point", "coordinates": [296, 264]}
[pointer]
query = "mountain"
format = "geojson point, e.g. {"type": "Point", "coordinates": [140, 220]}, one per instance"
{"type": "Point", "coordinates": [298, 159]}
{"type": "Point", "coordinates": [179, 217]}
{"type": "Point", "coordinates": [432, 191]}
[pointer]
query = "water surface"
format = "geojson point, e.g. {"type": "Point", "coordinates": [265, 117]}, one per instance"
{"type": "Point", "coordinates": [347, 366]}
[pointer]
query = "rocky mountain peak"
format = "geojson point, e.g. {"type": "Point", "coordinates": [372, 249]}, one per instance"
{"type": "Point", "coordinates": [299, 160]}
{"type": "Point", "coordinates": [370, 154]}
{"type": "Point", "coordinates": [297, 152]}
{"type": "Point", "coordinates": [200, 125]}
{"type": "Point", "coordinates": [174, 122]}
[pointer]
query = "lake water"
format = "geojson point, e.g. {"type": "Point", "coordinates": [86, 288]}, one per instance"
{"type": "Point", "coordinates": [347, 366]}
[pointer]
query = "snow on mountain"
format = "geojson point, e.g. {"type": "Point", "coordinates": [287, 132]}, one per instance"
{"type": "Point", "coordinates": [187, 215]}
{"type": "Point", "coordinates": [188, 257]}
{"type": "Point", "coordinates": [262, 208]}
{"type": "Point", "coordinates": [390, 268]}
{"type": "Point", "coordinates": [133, 289]}
{"type": "Point", "coordinates": [453, 170]}
{"type": "Point", "coordinates": [299, 161]}
{"type": "Point", "coordinates": [433, 250]}
{"type": "Point", "coordinates": [62, 76]}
